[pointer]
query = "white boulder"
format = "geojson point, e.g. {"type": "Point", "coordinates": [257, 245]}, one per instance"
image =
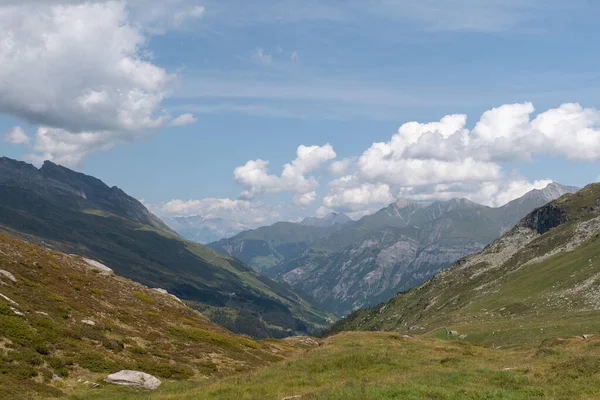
{"type": "Point", "coordinates": [133, 379]}
{"type": "Point", "coordinates": [97, 265]}
{"type": "Point", "coordinates": [8, 275]}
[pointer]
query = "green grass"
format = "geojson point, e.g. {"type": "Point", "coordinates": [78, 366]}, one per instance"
{"type": "Point", "coordinates": [134, 328]}
{"type": "Point", "coordinates": [379, 366]}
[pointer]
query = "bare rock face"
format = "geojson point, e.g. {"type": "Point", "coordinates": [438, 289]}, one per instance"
{"type": "Point", "coordinates": [134, 379]}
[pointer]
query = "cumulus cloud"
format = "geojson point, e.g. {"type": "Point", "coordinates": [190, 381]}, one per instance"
{"type": "Point", "coordinates": [305, 199]}
{"type": "Point", "coordinates": [341, 167]}
{"type": "Point", "coordinates": [243, 211]}
{"type": "Point", "coordinates": [294, 178]}
{"type": "Point", "coordinates": [16, 136]}
{"type": "Point", "coordinates": [184, 119]}
{"type": "Point", "coordinates": [260, 56]}
{"type": "Point", "coordinates": [79, 72]}
{"type": "Point", "coordinates": [445, 159]}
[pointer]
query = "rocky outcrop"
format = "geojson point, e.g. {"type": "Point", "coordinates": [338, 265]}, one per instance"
{"type": "Point", "coordinates": [134, 379]}
{"type": "Point", "coordinates": [544, 218]}
{"type": "Point", "coordinates": [406, 243]}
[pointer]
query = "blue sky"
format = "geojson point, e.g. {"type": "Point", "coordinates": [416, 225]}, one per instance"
{"type": "Point", "coordinates": [256, 80]}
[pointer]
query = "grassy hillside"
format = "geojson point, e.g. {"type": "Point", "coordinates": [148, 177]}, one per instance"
{"type": "Point", "coordinates": [64, 321]}
{"type": "Point", "coordinates": [541, 279]}
{"type": "Point", "coordinates": [379, 366]}
{"type": "Point", "coordinates": [75, 213]}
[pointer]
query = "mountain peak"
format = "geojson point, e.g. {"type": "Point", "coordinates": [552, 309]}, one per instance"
{"type": "Point", "coordinates": [327, 220]}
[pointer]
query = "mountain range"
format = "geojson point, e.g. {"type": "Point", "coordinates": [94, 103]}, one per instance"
{"type": "Point", "coordinates": [399, 247]}
{"type": "Point", "coordinates": [204, 230]}
{"type": "Point", "coordinates": [540, 279]}
{"type": "Point", "coordinates": [78, 214]}
{"type": "Point", "coordinates": [267, 246]}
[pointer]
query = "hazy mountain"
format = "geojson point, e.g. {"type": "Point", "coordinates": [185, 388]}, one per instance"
{"type": "Point", "coordinates": [204, 230]}
{"type": "Point", "coordinates": [79, 214]}
{"type": "Point", "coordinates": [330, 219]}
{"type": "Point", "coordinates": [399, 247]}
{"type": "Point", "coordinates": [543, 272]}
{"type": "Point", "coordinates": [267, 246]}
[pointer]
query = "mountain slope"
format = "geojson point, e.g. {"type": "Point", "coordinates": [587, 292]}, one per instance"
{"type": "Point", "coordinates": [64, 319]}
{"type": "Point", "coordinates": [540, 279]}
{"type": "Point", "coordinates": [265, 247]}
{"type": "Point", "coordinates": [399, 247]}
{"type": "Point", "coordinates": [78, 214]}
{"type": "Point", "coordinates": [204, 230]}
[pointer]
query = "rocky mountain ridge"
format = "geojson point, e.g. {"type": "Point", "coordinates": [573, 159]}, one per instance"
{"type": "Point", "coordinates": [542, 272]}
{"type": "Point", "coordinates": [399, 247]}
{"type": "Point", "coordinates": [78, 214]}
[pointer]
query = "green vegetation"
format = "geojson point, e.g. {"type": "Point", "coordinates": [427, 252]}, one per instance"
{"type": "Point", "coordinates": [46, 207]}
{"type": "Point", "coordinates": [379, 366]}
{"type": "Point", "coordinates": [144, 297]}
{"type": "Point", "coordinates": [109, 324]}
{"type": "Point", "coordinates": [519, 290]}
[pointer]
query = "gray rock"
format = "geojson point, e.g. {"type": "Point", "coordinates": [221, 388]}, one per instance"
{"type": "Point", "coordinates": [9, 300]}
{"type": "Point", "coordinates": [135, 379]}
{"type": "Point", "coordinates": [8, 275]}
{"type": "Point", "coordinates": [17, 312]}
{"type": "Point", "coordinates": [98, 266]}
{"type": "Point", "coordinates": [88, 322]}
{"type": "Point", "coordinates": [454, 332]}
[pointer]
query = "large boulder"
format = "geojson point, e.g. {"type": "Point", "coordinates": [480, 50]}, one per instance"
{"type": "Point", "coordinates": [133, 379]}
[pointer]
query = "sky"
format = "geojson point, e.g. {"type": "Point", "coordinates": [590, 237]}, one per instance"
{"type": "Point", "coordinates": [276, 110]}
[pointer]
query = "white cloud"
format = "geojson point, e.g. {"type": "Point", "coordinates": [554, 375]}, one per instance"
{"type": "Point", "coordinates": [341, 167]}
{"type": "Point", "coordinates": [305, 199]}
{"type": "Point", "coordinates": [441, 160]}
{"type": "Point", "coordinates": [16, 136]}
{"type": "Point", "coordinates": [257, 181]}
{"type": "Point", "coordinates": [189, 13]}
{"type": "Point", "coordinates": [295, 57]}
{"type": "Point", "coordinates": [262, 57]}
{"type": "Point", "coordinates": [184, 119]}
{"type": "Point", "coordinates": [243, 211]}
{"type": "Point", "coordinates": [78, 71]}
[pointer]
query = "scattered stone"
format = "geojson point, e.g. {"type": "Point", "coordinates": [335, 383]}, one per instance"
{"type": "Point", "coordinates": [88, 322]}
{"type": "Point", "coordinates": [98, 266]}
{"type": "Point", "coordinates": [163, 291]}
{"type": "Point", "coordinates": [133, 379]}
{"type": "Point", "coordinates": [92, 384]}
{"type": "Point", "coordinates": [454, 332]}
{"type": "Point", "coordinates": [17, 312]}
{"type": "Point", "coordinates": [42, 313]}
{"type": "Point", "coordinates": [587, 336]}
{"type": "Point", "coordinates": [56, 378]}
{"type": "Point", "coordinates": [8, 275]}
{"type": "Point", "coordinates": [463, 336]}
{"type": "Point", "coordinates": [292, 397]}
{"type": "Point", "coordinates": [9, 300]}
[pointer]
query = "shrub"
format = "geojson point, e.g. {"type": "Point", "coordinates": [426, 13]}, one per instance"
{"type": "Point", "coordinates": [144, 297]}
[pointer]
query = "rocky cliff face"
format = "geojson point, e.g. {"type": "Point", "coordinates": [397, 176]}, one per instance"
{"type": "Point", "coordinates": [401, 246]}
{"type": "Point", "coordinates": [544, 272]}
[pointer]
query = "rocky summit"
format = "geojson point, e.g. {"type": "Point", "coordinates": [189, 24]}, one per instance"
{"type": "Point", "coordinates": [399, 247]}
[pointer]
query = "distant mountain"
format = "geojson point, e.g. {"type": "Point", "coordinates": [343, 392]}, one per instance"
{"type": "Point", "coordinates": [399, 247]}
{"type": "Point", "coordinates": [204, 230]}
{"type": "Point", "coordinates": [539, 280]}
{"type": "Point", "coordinates": [328, 220]}
{"type": "Point", "coordinates": [267, 246]}
{"type": "Point", "coordinates": [79, 214]}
